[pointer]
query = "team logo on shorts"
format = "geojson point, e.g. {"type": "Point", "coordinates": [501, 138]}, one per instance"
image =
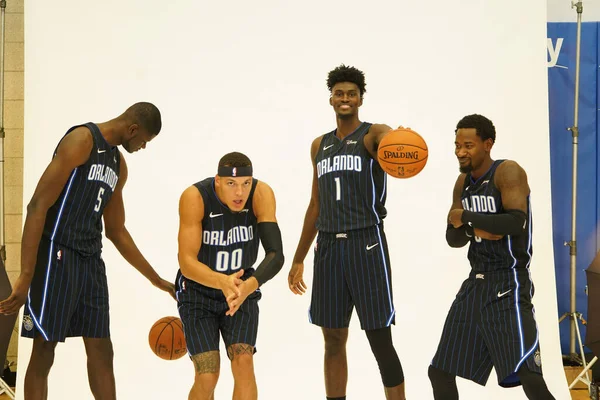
{"type": "Point", "coordinates": [537, 357]}
{"type": "Point", "coordinates": [27, 323]}
{"type": "Point", "coordinates": [59, 255]}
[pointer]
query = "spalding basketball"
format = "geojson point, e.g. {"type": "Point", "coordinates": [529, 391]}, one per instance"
{"type": "Point", "coordinates": [402, 153]}
{"type": "Point", "coordinates": [166, 338]}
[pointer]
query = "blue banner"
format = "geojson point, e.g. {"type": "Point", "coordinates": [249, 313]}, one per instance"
{"type": "Point", "coordinates": [562, 40]}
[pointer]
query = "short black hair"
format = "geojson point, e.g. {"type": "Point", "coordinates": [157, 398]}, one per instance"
{"type": "Point", "coordinates": [483, 126]}
{"type": "Point", "coordinates": [146, 115]}
{"type": "Point", "coordinates": [235, 159]}
{"type": "Point", "coordinates": [345, 73]}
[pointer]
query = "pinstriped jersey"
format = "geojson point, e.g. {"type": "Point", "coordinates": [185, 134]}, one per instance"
{"type": "Point", "coordinates": [351, 183]}
{"type": "Point", "coordinates": [229, 239]}
{"type": "Point", "coordinates": [482, 196]}
{"type": "Point", "coordinates": [75, 219]}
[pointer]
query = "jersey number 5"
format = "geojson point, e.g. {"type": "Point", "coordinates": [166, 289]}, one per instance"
{"type": "Point", "coordinates": [99, 199]}
{"type": "Point", "coordinates": [223, 258]}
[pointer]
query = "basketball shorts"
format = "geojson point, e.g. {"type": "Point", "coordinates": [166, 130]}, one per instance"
{"type": "Point", "coordinates": [491, 323]}
{"type": "Point", "coordinates": [352, 269]}
{"type": "Point", "coordinates": [202, 311]}
{"type": "Point", "coordinates": [68, 296]}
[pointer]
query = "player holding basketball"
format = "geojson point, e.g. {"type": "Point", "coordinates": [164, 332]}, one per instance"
{"type": "Point", "coordinates": [222, 220]}
{"type": "Point", "coordinates": [63, 277]}
{"type": "Point", "coordinates": [491, 321]}
{"type": "Point", "coordinates": [352, 266]}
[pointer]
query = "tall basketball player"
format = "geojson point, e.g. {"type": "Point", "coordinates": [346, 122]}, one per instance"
{"type": "Point", "coordinates": [63, 279]}
{"type": "Point", "coordinates": [222, 220]}
{"type": "Point", "coordinates": [491, 322]}
{"type": "Point", "coordinates": [351, 262]}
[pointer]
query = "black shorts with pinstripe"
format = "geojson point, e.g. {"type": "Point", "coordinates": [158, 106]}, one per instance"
{"type": "Point", "coordinates": [202, 311]}
{"type": "Point", "coordinates": [68, 296]}
{"type": "Point", "coordinates": [491, 323]}
{"type": "Point", "coordinates": [352, 269]}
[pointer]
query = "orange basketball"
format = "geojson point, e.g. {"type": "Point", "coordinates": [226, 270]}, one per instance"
{"type": "Point", "coordinates": [402, 153]}
{"type": "Point", "coordinates": [166, 338]}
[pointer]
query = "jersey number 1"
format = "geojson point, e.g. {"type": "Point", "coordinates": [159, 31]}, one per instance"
{"type": "Point", "coordinates": [338, 189]}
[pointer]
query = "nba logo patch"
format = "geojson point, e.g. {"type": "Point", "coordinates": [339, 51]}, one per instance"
{"type": "Point", "coordinates": [234, 172]}
{"type": "Point", "coordinates": [27, 323]}
{"type": "Point", "coordinates": [59, 255]}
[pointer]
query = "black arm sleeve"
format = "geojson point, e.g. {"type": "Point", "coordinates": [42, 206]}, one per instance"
{"type": "Point", "coordinates": [512, 222]}
{"type": "Point", "coordinates": [270, 237]}
{"type": "Point", "coordinates": [458, 237]}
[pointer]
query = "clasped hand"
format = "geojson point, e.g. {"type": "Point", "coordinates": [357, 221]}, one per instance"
{"type": "Point", "coordinates": [236, 290]}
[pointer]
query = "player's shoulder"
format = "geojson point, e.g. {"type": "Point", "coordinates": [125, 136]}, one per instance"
{"type": "Point", "coordinates": [460, 181]}
{"type": "Point", "coordinates": [509, 168]}
{"type": "Point", "coordinates": [263, 189]}
{"type": "Point", "coordinates": [316, 143]}
{"type": "Point", "coordinates": [377, 128]}
{"type": "Point", "coordinates": [80, 136]}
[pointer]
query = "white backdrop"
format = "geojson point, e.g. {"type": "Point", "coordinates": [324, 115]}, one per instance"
{"type": "Point", "coordinates": [250, 76]}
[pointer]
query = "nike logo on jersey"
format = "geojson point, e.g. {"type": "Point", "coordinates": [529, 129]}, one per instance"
{"type": "Point", "coordinates": [214, 215]}
{"type": "Point", "coordinates": [326, 147]}
{"type": "Point", "coordinates": [371, 246]}
{"type": "Point", "coordinates": [502, 294]}
{"type": "Point", "coordinates": [484, 182]}
{"type": "Point", "coordinates": [101, 151]}
{"type": "Point", "coordinates": [244, 210]}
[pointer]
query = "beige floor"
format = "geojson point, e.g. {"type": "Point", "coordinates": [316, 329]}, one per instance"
{"type": "Point", "coordinates": [575, 395]}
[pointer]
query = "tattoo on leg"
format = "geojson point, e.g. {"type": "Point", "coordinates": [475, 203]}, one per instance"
{"type": "Point", "coordinates": [239, 349]}
{"type": "Point", "coordinates": [207, 363]}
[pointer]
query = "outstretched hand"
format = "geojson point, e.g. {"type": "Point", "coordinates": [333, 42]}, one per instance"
{"type": "Point", "coordinates": [17, 298]}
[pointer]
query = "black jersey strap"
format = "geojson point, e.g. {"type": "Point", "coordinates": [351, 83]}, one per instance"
{"type": "Point", "coordinates": [511, 222]}
{"type": "Point", "coordinates": [270, 236]}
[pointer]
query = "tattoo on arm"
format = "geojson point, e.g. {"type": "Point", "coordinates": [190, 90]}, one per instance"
{"type": "Point", "coordinates": [207, 363]}
{"type": "Point", "coordinates": [239, 349]}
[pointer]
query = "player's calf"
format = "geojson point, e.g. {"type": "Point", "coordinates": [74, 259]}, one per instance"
{"type": "Point", "coordinates": [242, 368]}
{"type": "Point", "coordinates": [386, 356]}
{"type": "Point", "coordinates": [207, 366]}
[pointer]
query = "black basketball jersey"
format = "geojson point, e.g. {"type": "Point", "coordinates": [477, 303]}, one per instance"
{"type": "Point", "coordinates": [75, 219]}
{"type": "Point", "coordinates": [352, 185]}
{"type": "Point", "coordinates": [482, 196]}
{"type": "Point", "coordinates": [229, 239]}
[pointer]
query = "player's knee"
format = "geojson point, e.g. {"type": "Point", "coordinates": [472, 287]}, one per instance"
{"type": "Point", "coordinates": [335, 340]}
{"type": "Point", "coordinates": [438, 377]}
{"type": "Point", "coordinates": [99, 351]}
{"type": "Point", "coordinates": [387, 359]}
{"type": "Point", "coordinates": [43, 352]}
{"type": "Point", "coordinates": [207, 366]}
{"type": "Point", "coordinates": [534, 385]}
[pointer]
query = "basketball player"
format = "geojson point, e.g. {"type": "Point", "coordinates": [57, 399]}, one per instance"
{"type": "Point", "coordinates": [222, 220]}
{"type": "Point", "coordinates": [351, 262]}
{"type": "Point", "coordinates": [63, 278]}
{"type": "Point", "coordinates": [491, 322]}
